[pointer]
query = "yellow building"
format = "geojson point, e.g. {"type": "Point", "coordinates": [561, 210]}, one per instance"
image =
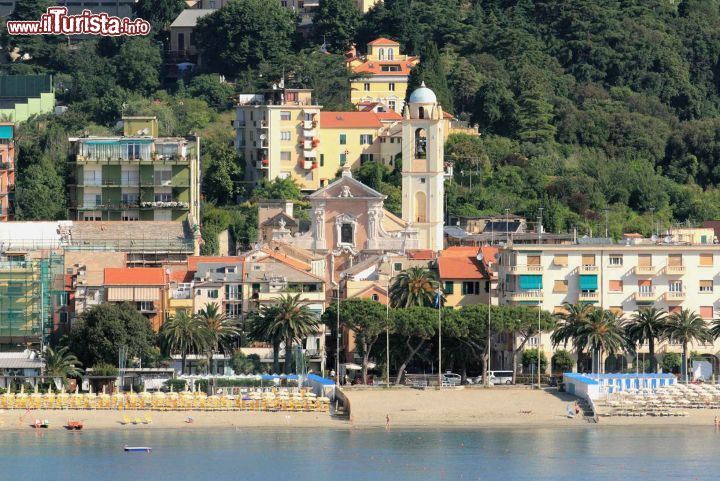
{"type": "Point", "coordinates": [365, 5]}
{"type": "Point", "coordinates": [277, 136]}
{"type": "Point", "coordinates": [466, 275]}
{"type": "Point", "coordinates": [385, 73]}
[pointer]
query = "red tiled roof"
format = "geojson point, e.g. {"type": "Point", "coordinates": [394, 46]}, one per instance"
{"type": "Point", "coordinates": [375, 68]}
{"type": "Point", "coordinates": [134, 276]}
{"type": "Point", "coordinates": [421, 254]}
{"type": "Point", "coordinates": [181, 276]}
{"type": "Point", "coordinates": [459, 268]}
{"type": "Point", "coordinates": [287, 260]}
{"type": "Point", "coordinates": [383, 41]}
{"type": "Point", "coordinates": [390, 115]}
{"type": "Point", "coordinates": [460, 251]}
{"type": "Point", "coordinates": [193, 261]}
{"type": "Point", "coordinates": [448, 115]}
{"type": "Point", "coordinates": [339, 120]}
{"type": "Point", "coordinates": [490, 254]}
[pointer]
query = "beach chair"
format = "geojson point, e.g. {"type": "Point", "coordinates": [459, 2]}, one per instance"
{"type": "Point", "coordinates": [148, 419]}
{"type": "Point", "coordinates": [126, 420]}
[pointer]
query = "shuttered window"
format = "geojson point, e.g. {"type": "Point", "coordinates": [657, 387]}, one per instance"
{"type": "Point", "coordinates": [533, 260]}
{"type": "Point", "coordinates": [588, 259]}
{"type": "Point", "coordinates": [673, 309]}
{"type": "Point", "coordinates": [706, 312]}
{"type": "Point", "coordinates": [560, 260]}
{"type": "Point", "coordinates": [675, 260]}
{"type": "Point", "coordinates": [616, 286]}
{"type": "Point", "coordinates": [645, 260]}
{"type": "Point", "coordinates": [706, 286]}
{"type": "Point", "coordinates": [706, 260]}
{"type": "Point", "coordinates": [560, 286]}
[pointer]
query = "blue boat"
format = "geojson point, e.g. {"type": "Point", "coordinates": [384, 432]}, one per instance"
{"type": "Point", "coordinates": [138, 449]}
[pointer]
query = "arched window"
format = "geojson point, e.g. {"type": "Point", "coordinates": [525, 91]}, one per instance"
{"type": "Point", "coordinates": [381, 54]}
{"type": "Point", "coordinates": [391, 54]}
{"type": "Point", "coordinates": [420, 144]}
{"type": "Point", "coordinates": [420, 207]}
{"type": "Point", "coordinates": [421, 112]}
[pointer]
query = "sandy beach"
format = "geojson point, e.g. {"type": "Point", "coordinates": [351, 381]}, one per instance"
{"type": "Point", "coordinates": [407, 408]}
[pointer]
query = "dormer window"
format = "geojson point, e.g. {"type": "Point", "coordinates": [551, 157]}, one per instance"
{"type": "Point", "coordinates": [390, 68]}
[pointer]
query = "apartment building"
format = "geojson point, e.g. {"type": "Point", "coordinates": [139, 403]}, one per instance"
{"type": "Point", "coordinates": [384, 74]}
{"type": "Point", "coordinates": [624, 277]}
{"type": "Point", "coordinates": [144, 287]}
{"type": "Point", "coordinates": [138, 176]}
{"type": "Point", "coordinates": [466, 275]}
{"type": "Point", "coordinates": [277, 136]}
{"type": "Point", "coordinates": [85, 277]}
{"type": "Point", "coordinates": [7, 171]}
{"type": "Point", "coordinates": [219, 281]}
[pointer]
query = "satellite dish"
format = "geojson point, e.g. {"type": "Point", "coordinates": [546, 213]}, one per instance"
{"type": "Point", "coordinates": [263, 136]}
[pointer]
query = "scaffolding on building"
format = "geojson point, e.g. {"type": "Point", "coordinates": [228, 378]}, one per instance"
{"type": "Point", "coordinates": [32, 299]}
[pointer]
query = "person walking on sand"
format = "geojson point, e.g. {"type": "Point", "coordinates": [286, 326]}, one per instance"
{"type": "Point", "coordinates": [387, 422]}
{"type": "Point", "coordinates": [717, 422]}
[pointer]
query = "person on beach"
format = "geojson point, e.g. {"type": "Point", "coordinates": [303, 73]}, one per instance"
{"type": "Point", "coordinates": [717, 422]}
{"type": "Point", "coordinates": [387, 422]}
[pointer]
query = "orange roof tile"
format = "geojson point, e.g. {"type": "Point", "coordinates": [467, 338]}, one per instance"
{"type": "Point", "coordinates": [193, 261]}
{"type": "Point", "coordinates": [287, 260]}
{"type": "Point", "coordinates": [421, 254]}
{"type": "Point", "coordinates": [340, 120]}
{"type": "Point", "coordinates": [460, 251]}
{"type": "Point", "coordinates": [383, 41]}
{"type": "Point", "coordinates": [389, 116]}
{"type": "Point", "coordinates": [134, 276]}
{"type": "Point", "coordinates": [374, 67]}
{"type": "Point", "coordinates": [181, 276]}
{"type": "Point", "coordinates": [459, 268]}
{"type": "Point", "coordinates": [448, 115]}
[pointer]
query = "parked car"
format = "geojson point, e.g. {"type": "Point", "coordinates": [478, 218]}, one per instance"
{"type": "Point", "coordinates": [452, 379]}
{"type": "Point", "coordinates": [497, 377]}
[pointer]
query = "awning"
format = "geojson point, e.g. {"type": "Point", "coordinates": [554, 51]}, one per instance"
{"type": "Point", "coordinates": [588, 282]}
{"type": "Point", "coordinates": [531, 282]}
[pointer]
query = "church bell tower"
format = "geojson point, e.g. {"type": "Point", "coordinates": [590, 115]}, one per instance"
{"type": "Point", "coordinates": [423, 167]}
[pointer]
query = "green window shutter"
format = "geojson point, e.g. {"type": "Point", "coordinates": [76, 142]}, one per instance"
{"type": "Point", "coordinates": [343, 139]}
{"type": "Point", "coordinates": [449, 287]}
{"type": "Point", "coordinates": [322, 160]}
{"type": "Point", "coordinates": [464, 288]}
{"type": "Point", "coordinates": [588, 282]}
{"type": "Point", "coordinates": [531, 282]}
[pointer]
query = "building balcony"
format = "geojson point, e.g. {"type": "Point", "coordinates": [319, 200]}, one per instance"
{"type": "Point", "coordinates": [527, 295]}
{"type": "Point", "coordinates": [526, 269]}
{"type": "Point", "coordinates": [164, 205]}
{"type": "Point", "coordinates": [588, 269]}
{"type": "Point", "coordinates": [309, 125]}
{"type": "Point", "coordinates": [589, 296]}
{"type": "Point", "coordinates": [645, 270]}
{"type": "Point", "coordinates": [674, 270]}
{"type": "Point", "coordinates": [675, 296]}
{"type": "Point", "coordinates": [262, 164]}
{"type": "Point", "coordinates": [318, 296]}
{"type": "Point", "coordinates": [7, 166]}
{"type": "Point", "coordinates": [645, 296]}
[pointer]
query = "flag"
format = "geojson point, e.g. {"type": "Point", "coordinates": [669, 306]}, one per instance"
{"type": "Point", "coordinates": [438, 297]}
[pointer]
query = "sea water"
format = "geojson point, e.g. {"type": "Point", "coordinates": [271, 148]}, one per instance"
{"type": "Point", "coordinates": [587, 453]}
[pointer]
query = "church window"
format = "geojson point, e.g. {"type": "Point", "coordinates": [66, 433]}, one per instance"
{"type": "Point", "coordinates": [421, 113]}
{"type": "Point", "coordinates": [420, 207]}
{"type": "Point", "coordinates": [346, 233]}
{"type": "Point", "coordinates": [420, 143]}
{"type": "Point", "coordinates": [381, 54]}
{"type": "Point", "coordinates": [422, 180]}
{"type": "Point", "coordinates": [391, 54]}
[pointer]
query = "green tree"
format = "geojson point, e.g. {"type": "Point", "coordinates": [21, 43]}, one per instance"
{"type": "Point", "coordinates": [40, 192]}
{"type": "Point", "coordinates": [671, 362]}
{"type": "Point", "coordinates": [431, 71]}
{"type": "Point", "coordinates": [324, 73]}
{"type": "Point", "coordinates": [648, 325]}
{"type": "Point", "coordinates": [61, 363]}
{"type": "Point", "coordinates": [245, 364]}
{"type": "Point", "coordinates": [222, 172]}
{"type": "Point", "coordinates": [102, 330]}
{"type": "Point", "coordinates": [184, 334]}
{"type": "Point", "coordinates": [138, 65]}
{"type": "Point", "coordinates": [366, 318]}
{"type": "Point", "coordinates": [562, 361]}
{"type": "Point", "coordinates": [685, 327]}
{"type": "Point", "coordinates": [415, 286]}
{"type": "Point", "coordinates": [415, 326]}
{"type": "Point", "coordinates": [286, 189]}
{"type": "Point", "coordinates": [262, 326]}
{"type": "Point", "coordinates": [292, 321]}
{"type": "Point", "coordinates": [335, 23]}
{"type": "Point", "coordinates": [602, 332]}
{"type": "Point", "coordinates": [530, 360]}
{"type": "Point", "coordinates": [160, 13]}
{"type": "Point", "coordinates": [245, 34]}
{"type": "Point", "coordinates": [217, 329]}
{"type": "Point", "coordinates": [213, 90]}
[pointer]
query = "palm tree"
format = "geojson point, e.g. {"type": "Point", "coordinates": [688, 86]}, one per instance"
{"type": "Point", "coordinates": [686, 326]}
{"type": "Point", "coordinates": [262, 327]}
{"type": "Point", "coordinates": [61, 363]}
{"type": "Point", "coordinates": [569, 321]}
{"type": "Point", "coordinates": [601, 332]}
{"type": "Point", "coordinates": [217, 329]}
{"type": "Point", "coordinates": [184, 334]}
{"type": "Point", "coordinates": [647, 325]}
{"type": "Point", "coordinates": [415, 286]}
{"type": "Point", "coordinates": [293, 321]}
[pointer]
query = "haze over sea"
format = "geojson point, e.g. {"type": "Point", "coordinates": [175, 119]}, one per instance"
{"type": "Point", "coordinates": [588, 453]}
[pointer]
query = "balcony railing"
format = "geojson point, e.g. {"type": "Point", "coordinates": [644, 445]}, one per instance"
{"type": "Point", "coordinates": [526, 269]}
{"type": "Point", "coordinates": [645, 270]}
{"type": "Point", "coordinates": [675, 295]}
{"type": "Point", "coordinates": [674, 270]}
{"type": "Point", "coordinates": [528, 295]}
{"type": "Point", "coordinates": [645, 295]}
{"type": "Point", "coordinates": [589, 296]}
{"type": "Point", "coordinates": [588, 269]}
{"type": "Point", "coordinates": [165, 205]}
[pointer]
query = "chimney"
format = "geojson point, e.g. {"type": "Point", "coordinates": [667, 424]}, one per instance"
{"type": "Point", "coordinates": [289, 207]}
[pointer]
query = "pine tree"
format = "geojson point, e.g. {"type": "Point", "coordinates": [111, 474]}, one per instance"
{"type": "Point", "coordinates": [431, 71]}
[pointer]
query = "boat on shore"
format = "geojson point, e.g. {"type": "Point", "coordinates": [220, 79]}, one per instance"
{"type": "Point", "coordinates": [137, 449]}
{"type": "Point", "coordinates": [74, 425]}
{"type": "Point", "coordinates": [44, 424]}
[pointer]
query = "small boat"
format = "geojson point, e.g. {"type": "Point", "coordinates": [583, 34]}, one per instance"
{"type": "Point", "coordinates": [137, 449]}
{"type": "Point", "coordinates": [44, 424]}
{"type": "Point", "coordinates": [74, 425]}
